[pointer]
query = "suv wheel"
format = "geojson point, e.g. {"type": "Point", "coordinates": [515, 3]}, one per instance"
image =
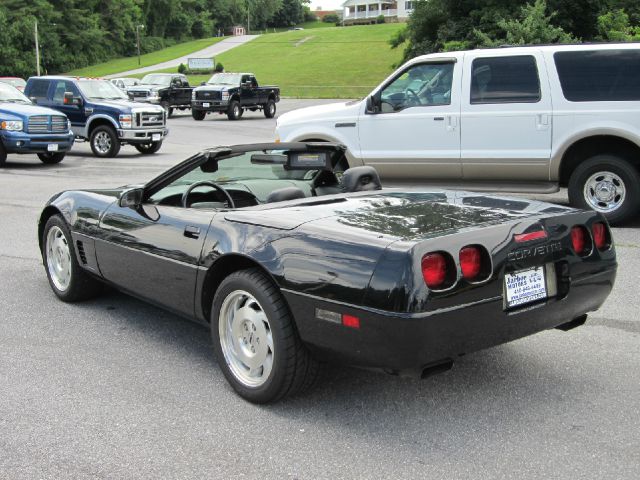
{"type": "Point", "coordinates": [104, 142]}
{"type": "Point", "coordinates": [235, 111]}
{"type": "Point", "coordinates": [607, 184]}
{"type": "Point", "coordinates": [3, 155]}
{"type": "Point", "coordinates": [198, 114]}
{"type": "Point", "coordinates": [270, 109]}
{"type": "Point", "coordinates": [148, 148]}
{"type": "Point", "coordinates": [50, 158]}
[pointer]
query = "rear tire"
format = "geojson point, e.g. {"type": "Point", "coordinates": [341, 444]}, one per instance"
{"type": "Point", "coordinates": [198, 114]}
{"type": "Point", "coordinates": [270, 109]}
{"type": "Point", "coordinates": [3, 155]}
{"type": "Point", "coordinates": [148, 148]}
{"type": "Point", "coordinates": [66, 277]}
{"type": "Point", "coordinates": [104, 142]}
{"type": "Point", "coordinates": [234, 111]}
{"type": "Point", "coordinates": [255, 339]}
{"type": "Point", "coordinates": [51, 158]}
{"type": "Point", "coordinates": [607, 184]}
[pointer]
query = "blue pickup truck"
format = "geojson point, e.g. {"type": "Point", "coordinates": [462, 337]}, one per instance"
{"type": "Point", "coordinates": [101, 113]}
{"type": "Point", "coordinates": [25, 128]}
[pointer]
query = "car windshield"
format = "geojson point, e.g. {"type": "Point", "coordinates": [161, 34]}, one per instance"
{"type": "Point", "coordinates": [129, 82]}
{"type": "Point", "coordinates": [9, 93]}
{"type": "Point", "coordinates": [156, 79]}
{"type": "Point", "coordinates": [225, 79]}
{"type": "Point", "coordinates": [16, 82]}
{"type": "Point", "coordinates": [101, 89]}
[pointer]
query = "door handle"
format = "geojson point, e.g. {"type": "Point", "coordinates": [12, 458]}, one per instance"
{"type": "Point", "coordinates": [452, 122]}
{"type": "Point", "coordinates": [191, 232]}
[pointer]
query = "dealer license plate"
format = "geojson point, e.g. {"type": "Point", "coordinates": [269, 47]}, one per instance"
{"type": "Point", "coordinates": [206, 105]}
{"type": "Point", "coordinates": [524, 286]}
{"type": "Point", "coordinates": [155, 137]}
{"type": "Point", "coordinates": [52, 147]}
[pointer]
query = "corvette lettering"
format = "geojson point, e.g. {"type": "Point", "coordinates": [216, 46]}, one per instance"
{"type": "Point", "coordinates": [531, 252]}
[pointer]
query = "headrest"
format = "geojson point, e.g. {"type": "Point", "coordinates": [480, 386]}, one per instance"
{"type": "Point", "coordinates": [360, 179]}
{"type": "Point", "coordinates": [286, 193]}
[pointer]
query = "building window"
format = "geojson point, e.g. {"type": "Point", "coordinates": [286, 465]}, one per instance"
{"type": "Point", "coordinates": [409, 5]}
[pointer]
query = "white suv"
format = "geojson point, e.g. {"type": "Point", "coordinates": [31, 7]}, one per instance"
{"type": "Point", "coordinates": [518, 119]}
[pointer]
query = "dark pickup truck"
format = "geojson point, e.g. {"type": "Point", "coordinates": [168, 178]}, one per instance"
{"type": "Point", "coordinates": [168, 90]}
{"type": "Point", "coordinates": [233, 93]}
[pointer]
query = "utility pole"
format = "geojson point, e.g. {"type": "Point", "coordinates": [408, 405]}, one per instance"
{"type": "Point", "coordinates": [138, 27]}
{"type": "Point", "coordinates": [35, 34]}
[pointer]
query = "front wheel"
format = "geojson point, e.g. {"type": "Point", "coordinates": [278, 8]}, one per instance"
{"type": "Point", "coordinates": [148, 148]}
{"type": "Point", "coordinates": [255, 340]}
{"type": "Point", "coordinates": [198, 114]}
{"type": "Point", "coordinates": [607, 184]}
{"type": "Point", "coordinates": [270, 109]}
{"type": "Point", "coordinates": [167, 108]}
{"type": "Point", "coordinates": [3, 155]}
{"type": "Point", "coordinates": [50, 158]}
{"type": "Point", "coordinates": [235, 110]}
{"type": "Point", "coordinates": [104, 142]}
{"type": "Point", "coordinates": [67, 278]}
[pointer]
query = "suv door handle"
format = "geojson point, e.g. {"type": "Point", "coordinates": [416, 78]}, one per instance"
{"type": "Point", "coordinates": [191, 232]}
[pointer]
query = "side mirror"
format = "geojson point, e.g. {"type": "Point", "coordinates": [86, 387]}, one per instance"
{"type": "Point", "coordinates": [34, 100]}
{"type": "Point", "coordinates": [69, 99]}
{"type": "Point", "coordinates": [202, 84]}
{"type": "Point", "coordinates": [246, 85]}
{"type": "Point", "coordinates": [371, 106]}
{"type": "Point", "coordinates": [131, 198]}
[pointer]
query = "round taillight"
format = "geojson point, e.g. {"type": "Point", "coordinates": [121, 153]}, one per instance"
{"type": "Point", "coordinates": [600, 236]}
{"type": "Point", "coordinates": [580, 240]}
{"type": "Point", "coordinates": [434, 270]}
{"type": "Point", "coordinates": [470, 262]}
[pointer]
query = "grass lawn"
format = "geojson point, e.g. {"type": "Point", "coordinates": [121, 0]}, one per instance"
{"type": "Point", "coordinates": [129, 63]}
{"type": "Point", "coordinates": [332, 62]}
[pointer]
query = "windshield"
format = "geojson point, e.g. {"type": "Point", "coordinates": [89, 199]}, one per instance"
{"type": "Point", "coordinates": [16, 82]}
{"type": "Point", "coordinates": [101, 89]}
{"type": "Point", "coordinates": [11, 94]}
{"type": "Point", "coordinates": [157, 79]}
{"type": "Point", "coordinates": [225, 79]}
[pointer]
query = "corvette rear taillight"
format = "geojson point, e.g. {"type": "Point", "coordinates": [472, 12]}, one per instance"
{"type": "Point", "coordinates": [600, 236]}
{"type": "Point", "coordinates": [470, 262]}
{"type": "Point", "coordinates": [580, 240]}
{"type": "Point", "coordinates": [434, 270]}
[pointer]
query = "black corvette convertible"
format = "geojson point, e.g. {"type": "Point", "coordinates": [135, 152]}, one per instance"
{"type": "Point", "coordinates": [295, 259]}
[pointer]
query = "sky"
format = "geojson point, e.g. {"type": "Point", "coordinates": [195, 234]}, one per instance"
{"type": "Point", "coordinates": [326, 4]}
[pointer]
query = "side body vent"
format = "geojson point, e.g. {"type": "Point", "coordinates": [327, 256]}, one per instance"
{"type": "Point", "coordinates": [83, 255]}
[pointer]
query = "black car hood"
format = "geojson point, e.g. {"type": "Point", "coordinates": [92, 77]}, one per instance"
{"type": "Point", "coordinates": [397, 214]}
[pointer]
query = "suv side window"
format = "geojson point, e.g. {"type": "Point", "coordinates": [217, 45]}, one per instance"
{"type": "Point", "coordinates": [39, 89]}
{"type": "Point", "coordinates": [599, 75]}
{"type": "Point", "coordinates": [505, 80]}
{"type": "Point", "coordinates": [424, 84]}
{"type": "Point", "coordinates": [62, 86]}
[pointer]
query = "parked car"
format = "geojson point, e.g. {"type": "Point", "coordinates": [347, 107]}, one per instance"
{"type": "Point", "coordinates": [17, 82]}
{"type": "Point", "coordinates": [292, 258]}
{"type": "Point", "coordinates": [165, 89]}
{"type": "Point", "coordinates": [233, 93]}
{"type": "Point", "coordinates": [25, 128]}
{"type": "Point", "coordinates": [125, 82]}
{"type": "Point", "coordinates": [520, 119]}
{"type": "Point", "coordinates": [101, 113]}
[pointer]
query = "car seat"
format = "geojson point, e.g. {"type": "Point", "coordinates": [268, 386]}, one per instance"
{"type": "Point", "coordinates": [286, 193]}
{"type": "Point", "coordinates": [360, 179]}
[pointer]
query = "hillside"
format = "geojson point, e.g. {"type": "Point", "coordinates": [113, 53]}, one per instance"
{"type": "Point", "coordinates": [334, 62]}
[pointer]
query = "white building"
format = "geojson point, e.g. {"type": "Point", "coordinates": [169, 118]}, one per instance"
{"type": "Point", "coordinates": [366, 11]}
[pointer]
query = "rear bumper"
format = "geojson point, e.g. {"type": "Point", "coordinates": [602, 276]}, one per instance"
{"type": "Point", "coordinates": [21, 142]}
{"type": "Point", "coordinates": [408, 342]}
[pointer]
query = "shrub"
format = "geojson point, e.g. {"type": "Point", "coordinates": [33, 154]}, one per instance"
{"type": "Point", "coordinates": [380, 19]}
{"type": "Point", "coordinates": [219, 67]}
{"type": "Point", "coordinates": [182, 68]}
{"type": "Point", "coordinates": [331, 18]}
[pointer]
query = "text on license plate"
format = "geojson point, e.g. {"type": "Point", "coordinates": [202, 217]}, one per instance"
{"type": "Point", "coordinates": [52, 147]}
{"type": "Point", "coordinates": [524, 286]}
{"type": "Point", "coordinates": [206, 105]}
{"type": "Point", "coordinates": [155, 137]}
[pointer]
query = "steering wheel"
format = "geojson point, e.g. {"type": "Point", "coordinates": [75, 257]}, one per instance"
{"type": "Point", "coordinates": [202, 183]}
{"type": "Point", "coordinates": [413, 98]}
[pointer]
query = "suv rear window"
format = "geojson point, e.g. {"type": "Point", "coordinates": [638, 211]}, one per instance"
{"type": "Point", "coordinates": [38, 89]}
{"type": "Point", "coordinates": [505, 80]}
{"type": "Point", "coordinates": [599, 75]}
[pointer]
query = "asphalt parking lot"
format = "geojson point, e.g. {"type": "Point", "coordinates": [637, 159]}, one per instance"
{"type": "Point", "coordinates": [116, 388]}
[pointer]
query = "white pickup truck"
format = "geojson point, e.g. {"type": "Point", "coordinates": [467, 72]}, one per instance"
{"type": "Point", "coordinates": [528, 119]}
